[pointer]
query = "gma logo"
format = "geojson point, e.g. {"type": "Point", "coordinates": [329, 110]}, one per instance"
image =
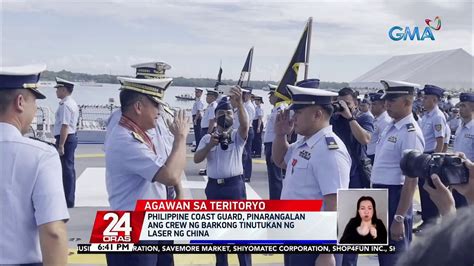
{"type": "Point", "coordinates": [397, 33]}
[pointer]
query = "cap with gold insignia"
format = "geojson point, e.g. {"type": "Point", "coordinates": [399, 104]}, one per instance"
{"type": "Point", "coordinates": [63, 83]}
{"type": "Point", "coordinates": [466, 97]}
{"type": "Point", "coordinates": [151, 70]}
{"type": "Point", "coordinates": [433, 90]}
{"type": "Point", "coordinates": [154, 88]}
{"type": "Point", "coordinates": [22, 77]}
{"type": "Point", "coordinates": [305, 93]}
{"type": "Point", "coordinates": [395, 89]}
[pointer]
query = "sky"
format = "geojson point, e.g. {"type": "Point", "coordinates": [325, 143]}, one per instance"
{"type": "Point", "coordinates": [105, 37]}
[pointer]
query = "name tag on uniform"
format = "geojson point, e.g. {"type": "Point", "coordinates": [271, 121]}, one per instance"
{"type": "Point", "coordinates": [305, 155]}
{"type": "Point", "coordinates": [392, 139]}
{"type": "Point", "coordinates": [469, 136]}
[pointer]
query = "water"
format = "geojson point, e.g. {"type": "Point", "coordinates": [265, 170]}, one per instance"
{"type": "Point", "coordinates": [99, 95]}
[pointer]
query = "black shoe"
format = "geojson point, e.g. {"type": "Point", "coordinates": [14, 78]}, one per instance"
{"type": "Point", "coordinates": [193, 150]}
{"type": "Point", "coordinates": [247, 180]}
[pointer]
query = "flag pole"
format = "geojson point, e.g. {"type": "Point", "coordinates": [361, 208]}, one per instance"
{"type": "Point", "coordinates": [308, 48]}
{"type": "Point", "coordinates": [250, 67]}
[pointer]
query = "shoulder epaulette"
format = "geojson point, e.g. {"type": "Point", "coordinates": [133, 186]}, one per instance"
{"type": "Point", "coordinates": [332, 144]}
{"type": "Point", "coordinates": [410, 127]}
{"type": "Point", "coordinates": [137, 137]}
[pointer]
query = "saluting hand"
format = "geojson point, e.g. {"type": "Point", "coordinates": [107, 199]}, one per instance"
{"type": "Point", "coordinates": [180, 125]}
{"type": "Point", "coordinates": [283, 123]}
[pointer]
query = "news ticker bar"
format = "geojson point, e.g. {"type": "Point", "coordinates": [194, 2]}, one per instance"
{"type": "Point", "coordinates": [252, 248]}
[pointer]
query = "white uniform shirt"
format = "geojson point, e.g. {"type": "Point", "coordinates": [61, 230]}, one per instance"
{"type": "Point", "coordinates": [433, 126]}
{"type": "Point", "coordinates": [464, 141]}
{"type": "Point", "coordinates": [209, 113]}
{"type": "Point", "coordinates": [130, 167]}
{"type": "Point", "coordinates": [224, 164]}
{"type": "Point", "coordinates": [66, 114]}
{"type": "Point", "coordinates": [112, 122]}
{"type": "Point", "coordinates": [269, 135]}
{"type": "Point", "coordinates": [31, 194]}
{"type": "Point", "coordinates": [380, 122]}
{"type": "Point", "coordinates": [259, 113]}
{"type": "Point", "coordinates": [317, 166]}
{"type": "Point", "coordinates": [396, 138]}
{"type": "Point", "coordinates": [250, 110]}
{"type": "Point", "coordinates": [454, 123]}
{"type": "Point", "coordinates": [197, 106]}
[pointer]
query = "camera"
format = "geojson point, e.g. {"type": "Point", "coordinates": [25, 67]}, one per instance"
{"type": "Point", "coordinates": [224, 139]}
{"type": "Point", "coordinates": [224, 89]}
{"type": "Point", "coordinates": [450, 168]}
{"type": "Point", "coordinates": [337, 107]}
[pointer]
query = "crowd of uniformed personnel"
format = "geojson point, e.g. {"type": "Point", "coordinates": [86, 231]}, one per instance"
{"type": "Point", "coordinates": [343, 142]}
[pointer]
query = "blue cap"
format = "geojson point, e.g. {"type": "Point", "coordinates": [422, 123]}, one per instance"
{"type": "Point", "coordinates": [63, 83]}
{"type": "Point", "coordinates": [433, 90]}
{"type": "Point", "coordinates": [375, 97]}
{"type": "Point", "coordinates": [23, 77]}
{"type": "Point", "coordinates": [306, 94]}
{"type": "Point", "coordinates": [308, 83]}
{"type": "Point", "coordinates": [223, 104]}
{"type": "Point", "coordinates": [466, 97]}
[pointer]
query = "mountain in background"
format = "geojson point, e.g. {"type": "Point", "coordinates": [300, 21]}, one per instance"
{"type": "Point", "coordinates": [177, 81]}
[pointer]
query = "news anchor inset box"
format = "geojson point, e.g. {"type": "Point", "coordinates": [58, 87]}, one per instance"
{"type": "Point", "coordinates": [358, 220]}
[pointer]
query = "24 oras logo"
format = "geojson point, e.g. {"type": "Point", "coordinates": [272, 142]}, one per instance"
{"type": "Point", "coordinates": [397, 33]}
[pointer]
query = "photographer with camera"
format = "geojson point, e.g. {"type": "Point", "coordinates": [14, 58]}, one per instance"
{"type": "Point", "coordinates": [355, 132]}
{"type": "Point", "coordinates": [401, 134]}
{"type": "Point", "coordinates": [437, 246]}
{"type": "Point", "coordinates": [433, 126]}
{"type": "Point", "coordinates": [223, 150]}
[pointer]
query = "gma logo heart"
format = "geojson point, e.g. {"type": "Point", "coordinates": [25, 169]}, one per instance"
{"type": "Point", "coordinates": [434, 24]}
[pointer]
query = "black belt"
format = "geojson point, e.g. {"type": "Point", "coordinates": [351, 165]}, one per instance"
{"type": "Point", "coordinates": [428, 152]}
{"type": "Point", "coordinates": [223, 181]}
{"type": "Point", "coordinates": [73, 134]}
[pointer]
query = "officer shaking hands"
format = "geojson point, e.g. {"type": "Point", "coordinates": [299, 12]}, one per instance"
{"type": "Point", "coordinates": [223, 150]}
{"type": "Point", "coordinates": [318, 164]}
{"type": "Point", "coordinates": [33, 210]}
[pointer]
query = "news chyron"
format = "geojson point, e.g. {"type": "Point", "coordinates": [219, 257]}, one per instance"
{"type": "Point", "coordinates": [240, 226]}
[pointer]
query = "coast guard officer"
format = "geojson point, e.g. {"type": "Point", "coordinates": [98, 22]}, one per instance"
{"type": "Point", "coordinates": [464, 141]}
{"type": "Point", "coordinates": [434, 128]}
{"type": "Point", "coordinates": [275, 173]}
{"type": "Point", "coordinates": [197, 112]}
{"type": "Point", "coordinates": [318, 164]}
{"type": "Point", "coordinates": [381, 120]}
{"type": "Point", "coordinates": [134, 168]}
{"type": "Point", "coordinates": [65, 126]}
{"type": "Point", "coordinates": [33, 210]}
{"type": "Point", "coordinates": [208, 119]}
{"type": "Point", "coordinates": [224, 166]}
{"type": "Point", "coordinates": [403, 133]}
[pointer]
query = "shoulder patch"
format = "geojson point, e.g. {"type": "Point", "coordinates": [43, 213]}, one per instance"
{"type": "Point", "coordinates": [137, 137]}
{"type": "Point", "coordinates": [438, 127]}
{"type": "Point", "coordinates": [410, 127]}
{"type": "Point", "coordinates": [331, 142]}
